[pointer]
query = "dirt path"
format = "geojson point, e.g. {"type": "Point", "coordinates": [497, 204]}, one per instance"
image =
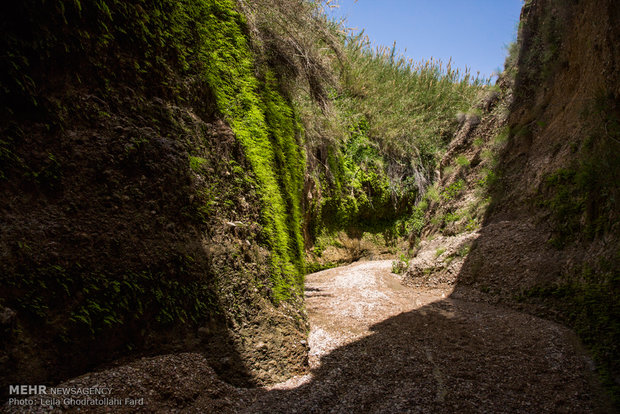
{"type": "Point", "coordinates": [378, 346]}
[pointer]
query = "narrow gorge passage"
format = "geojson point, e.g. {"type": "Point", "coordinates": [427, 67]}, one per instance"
{"type": "Point", "coordinates": [172, 174]}
{"type": "Point", "coordinates": [379, 346]}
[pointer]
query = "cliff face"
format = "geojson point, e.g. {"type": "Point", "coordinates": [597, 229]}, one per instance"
{"type": "Point", "coordinates": [150, 179]}
{"type": "Point", "coordinates": [525, 210]}
{"type": "Point", "coordinates": [549, 242]}
{"type": "Point", "coordinates": [566, 98]}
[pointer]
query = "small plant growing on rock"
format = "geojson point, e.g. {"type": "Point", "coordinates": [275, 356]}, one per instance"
{"type": "Point", "coordinates": [453, 190]}
{"type": "Point", "coordinates": [401, 265]}
{"type": "Point", "coordinates": [462, 161]}
{"type": "Point", "coordinates": [464, 250]}
{"type": "Point", "coordinates": [448, 170]}
{"type": "Point", "coordinates": [432, 193]}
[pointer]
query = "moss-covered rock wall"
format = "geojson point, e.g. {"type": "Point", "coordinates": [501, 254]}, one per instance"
{"type": "Point", "coordinates": [151, 176]}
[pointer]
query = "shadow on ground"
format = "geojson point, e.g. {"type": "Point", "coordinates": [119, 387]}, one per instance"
{"type": "Point", "coordinates": [449, 356]}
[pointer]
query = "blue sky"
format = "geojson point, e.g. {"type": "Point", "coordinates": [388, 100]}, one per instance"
{"type": "Point", "coordinates": [473, 32]}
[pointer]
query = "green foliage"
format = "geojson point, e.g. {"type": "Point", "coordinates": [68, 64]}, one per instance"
{"type": "Point", "coordinates": [100, 303]}
{"type": "Point", "coordinates": [448, 170]}
{"type": "Point", "coordinates": [512, 58]}
{"type": "Point", "coordinates": [432, 193]}
{"type": "Point", "coordinates": [583, 198]}
{"type": "Point", "coordinates": [358, 192]}
{"type": "Point", "coordinates": [195, 163]}
{"type": "Point", "coordinates": [487, 180]}
{"type": "Point", "coordinates": [453, 190]}
{"type": "Point", "coordinates": [471, 224]}
{"type": "Point", "coordinates": [417, 221]}
{"type": "Point", "coordinates": [263, 122]}
{"type": "Point", "coordinates": [451, 217]}
{"type": "Point", "coordinates": [314, 267]}
{"type": "Point", "coordinates": [410, 105]}
{"type": "Point", "coordinates": [373, 151]}
{"type": "Point", "coordinates": [464, 250]}
{"type": "Point", "coordinates": [325, 239]}
{"type": "Point", "coordinates": [299, 43]}
{"type": "Point", "coordinates": [389, 118]}
{"type": "Point", "coordinates": [462, 161]}
{"type": "Point", "coordinates": [188, 52]}
{"type": "Point", "coordinates": [502, 137]}
{"type": "Point", "coordinates": [401, 265]}
{"type": "Point", "coordinates": [567, 205]}
{"type": "Point", "coordinates": [267, 128]}
{"type": "Point", "coordinates": [539, 47]}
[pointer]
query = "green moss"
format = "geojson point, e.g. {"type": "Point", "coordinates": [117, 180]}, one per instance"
{"type": "Point", "coordinates": [462, 161]}
{"type": "Point", "coordinates": [195, 163]}
{"type": "Point", "coordinates": [188, 53]}
{"type": "Point", "coordinates": [267, 128]}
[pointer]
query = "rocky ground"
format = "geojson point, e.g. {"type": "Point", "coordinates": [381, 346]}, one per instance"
{"type": "Point", "coordinates": [377, 345]}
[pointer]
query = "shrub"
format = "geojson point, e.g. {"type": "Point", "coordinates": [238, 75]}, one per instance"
{"type": "Point", "coordinates": [400, 266]}
{"type": "Point", "coordinates": [453, 190]}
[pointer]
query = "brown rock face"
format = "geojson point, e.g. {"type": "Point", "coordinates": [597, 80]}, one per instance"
{"type": "Point", "coordinates": [537, 176]}
{"type": "Point", "coordinates": [567, 88]}
{"type": "Point", "coordinates": [550, 240]}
